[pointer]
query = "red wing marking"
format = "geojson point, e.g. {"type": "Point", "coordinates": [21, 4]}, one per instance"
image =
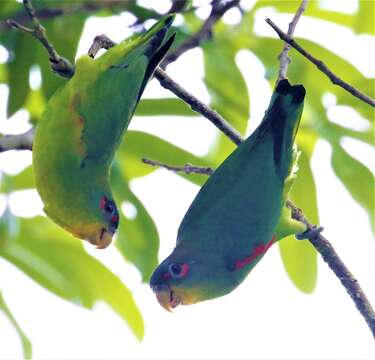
{"type": "Point", "coordinates": [259, 250]}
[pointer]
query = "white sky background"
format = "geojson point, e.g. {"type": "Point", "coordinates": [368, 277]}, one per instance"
{"type": "Point", "coordinates": [266, 317]}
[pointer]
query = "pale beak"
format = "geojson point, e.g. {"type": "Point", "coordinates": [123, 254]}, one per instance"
{"type": "Point", "coordinates": [166, 297]}
{"type": "Point", "coordinates": [102, 240]}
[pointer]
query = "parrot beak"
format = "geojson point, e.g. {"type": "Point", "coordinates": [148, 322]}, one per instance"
{"type": "Point", "coordinates": [102, 240]}
{"type": "Point", "coordinates": [166, 297]}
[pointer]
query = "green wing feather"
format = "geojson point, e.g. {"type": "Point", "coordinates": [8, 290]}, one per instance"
{"type": "Point", "coordinates": [109, 102]}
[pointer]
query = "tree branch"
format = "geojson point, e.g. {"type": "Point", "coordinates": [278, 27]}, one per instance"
{"type": "Point", "coordinates": [17, 142]}
{"type": "Point", "coordinates": [187, 168]}
{"type": "Point", "coordinates": [219, 8]}
{"type": "Point", "coordinates": [283, 57]}
{"type": "Point", "coordinates": [59, 64]}
{"type": "Point", "coordinates": [198, 106]}
{"type": "Point", "coordinates": [321, 66]}
{"type": "Point", "coordinates": [329, 255]}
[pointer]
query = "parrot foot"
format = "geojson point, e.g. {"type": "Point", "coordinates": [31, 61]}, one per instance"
{"type": "Point", "coordinates": [310, 233]}
{"type": "Point", "coordinates": [100, 42]}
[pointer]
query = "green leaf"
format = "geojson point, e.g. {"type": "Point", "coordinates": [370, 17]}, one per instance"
{"type": "Point", "coordinates": [356, 177]}
{"type": "Point", "coordinates": [299, 257]}
{"type": "Point", "coordinates": [3, 74]}
{"type": "Point", "coordinates": [26, 344]}
{"type": "Point", "coordinates": [137, 145]}
{"type": "Point", "coordinates": [35, 105]}
{"type": "Point", "coordinates": [21, 181]}
{"type": "Point", "coordinates": [164, 107]}
{"type": "Point", "coordinates": [361, 21]}
{"type": "Point", "coordinates": [365, 18]}
{"type": "Point", "coordinates": [18, 72]}
{"type": "Point", "coordinates": [138, 238]}
{"type": "Point", "coordinates": [9, 8]}
{"type": "Point", "coordinates": [59, 263]}
{"type": "Point", "coordinates": [227, 89]}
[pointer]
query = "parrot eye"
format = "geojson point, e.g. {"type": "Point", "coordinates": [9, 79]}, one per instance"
{"type": "Point", "coordinates": [178, 270]}
{"type": "Point", "coordinates": [109, 207]}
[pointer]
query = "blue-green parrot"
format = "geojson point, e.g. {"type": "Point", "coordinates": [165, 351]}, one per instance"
{"type": "Point", "coordinates": [239, 212]}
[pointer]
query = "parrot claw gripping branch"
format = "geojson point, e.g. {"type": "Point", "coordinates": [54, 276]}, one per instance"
{"type": "Point", "coordinates": [82, 126]}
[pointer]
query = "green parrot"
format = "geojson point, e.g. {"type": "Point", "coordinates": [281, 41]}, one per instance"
{"type": "Point", "coordinates": [238, 213]}
{"type": "Point", "coordinates": [81, 128]}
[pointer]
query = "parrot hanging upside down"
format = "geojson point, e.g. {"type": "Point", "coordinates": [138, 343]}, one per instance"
{"type": "Point", "coordinates": [82, 127]}
{"type": "Point", "coordinates": [238, 213]}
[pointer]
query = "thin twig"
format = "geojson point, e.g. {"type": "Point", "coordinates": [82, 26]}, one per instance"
{"type": "Point", "coordinates": [283, 57]}
{"type": "Point", "coordinates": [198, 106]}
{"type": "Point", "coordinates": [187, 168]}
{"type": "Point", "coordinates": [219, 8]}
{"type": "Point", "coordinates": [59, 64]}
{"type": "Point", "coordinates": [321, 66]}
{"type": "Point", "coordinates": [329, 255]}
{"type": "Point", "coordinates": [17, 142]}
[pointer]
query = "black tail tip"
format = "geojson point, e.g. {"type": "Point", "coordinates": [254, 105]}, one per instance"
{"type": "Point", "coordinates": [169, 20]}
{"type": "Point", "coordinates": [298, 92]}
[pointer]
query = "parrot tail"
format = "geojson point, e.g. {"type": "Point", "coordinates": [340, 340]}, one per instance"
{"type": "Point", "coordinates": [282, 120]}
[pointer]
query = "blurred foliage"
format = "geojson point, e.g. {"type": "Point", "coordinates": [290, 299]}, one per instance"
{"type": "Point", "coordinates": [58, 262]}
{"type": "Point", "coordinates": [26, 344]}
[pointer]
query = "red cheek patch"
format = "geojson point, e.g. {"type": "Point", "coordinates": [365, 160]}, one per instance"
{"type": "Point", "coordinates": [114, 219]}
{"type": "Point", "coordinates": [258, 251]}
{"type": "Point", "coordinates": [185, 270]}
{"type": "Point", "coordinates": [102, 202]}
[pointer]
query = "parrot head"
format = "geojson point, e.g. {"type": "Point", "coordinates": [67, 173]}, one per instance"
{"type": "Point", "coordinates": [183, 280]}
{"type": "Point", "coordinates": [101, 231]}
{"type": "Point", "coordinates": [94, 216]}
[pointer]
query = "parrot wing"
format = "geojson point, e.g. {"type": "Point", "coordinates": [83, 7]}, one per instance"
{"type": "Point", "coordinates": [110, 98]}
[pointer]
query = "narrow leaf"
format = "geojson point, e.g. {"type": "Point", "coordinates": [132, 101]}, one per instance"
{"type": "Point", "coordinates": [356, 177]}
{"type": "Point", "coordinates": [227, 88]}
{"type": "Point", "coordinates": [164, 107]}
{"type": "Point", "coordinates": [26, 344]}
{"type": "Point", "coordinates": [18, 72]}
